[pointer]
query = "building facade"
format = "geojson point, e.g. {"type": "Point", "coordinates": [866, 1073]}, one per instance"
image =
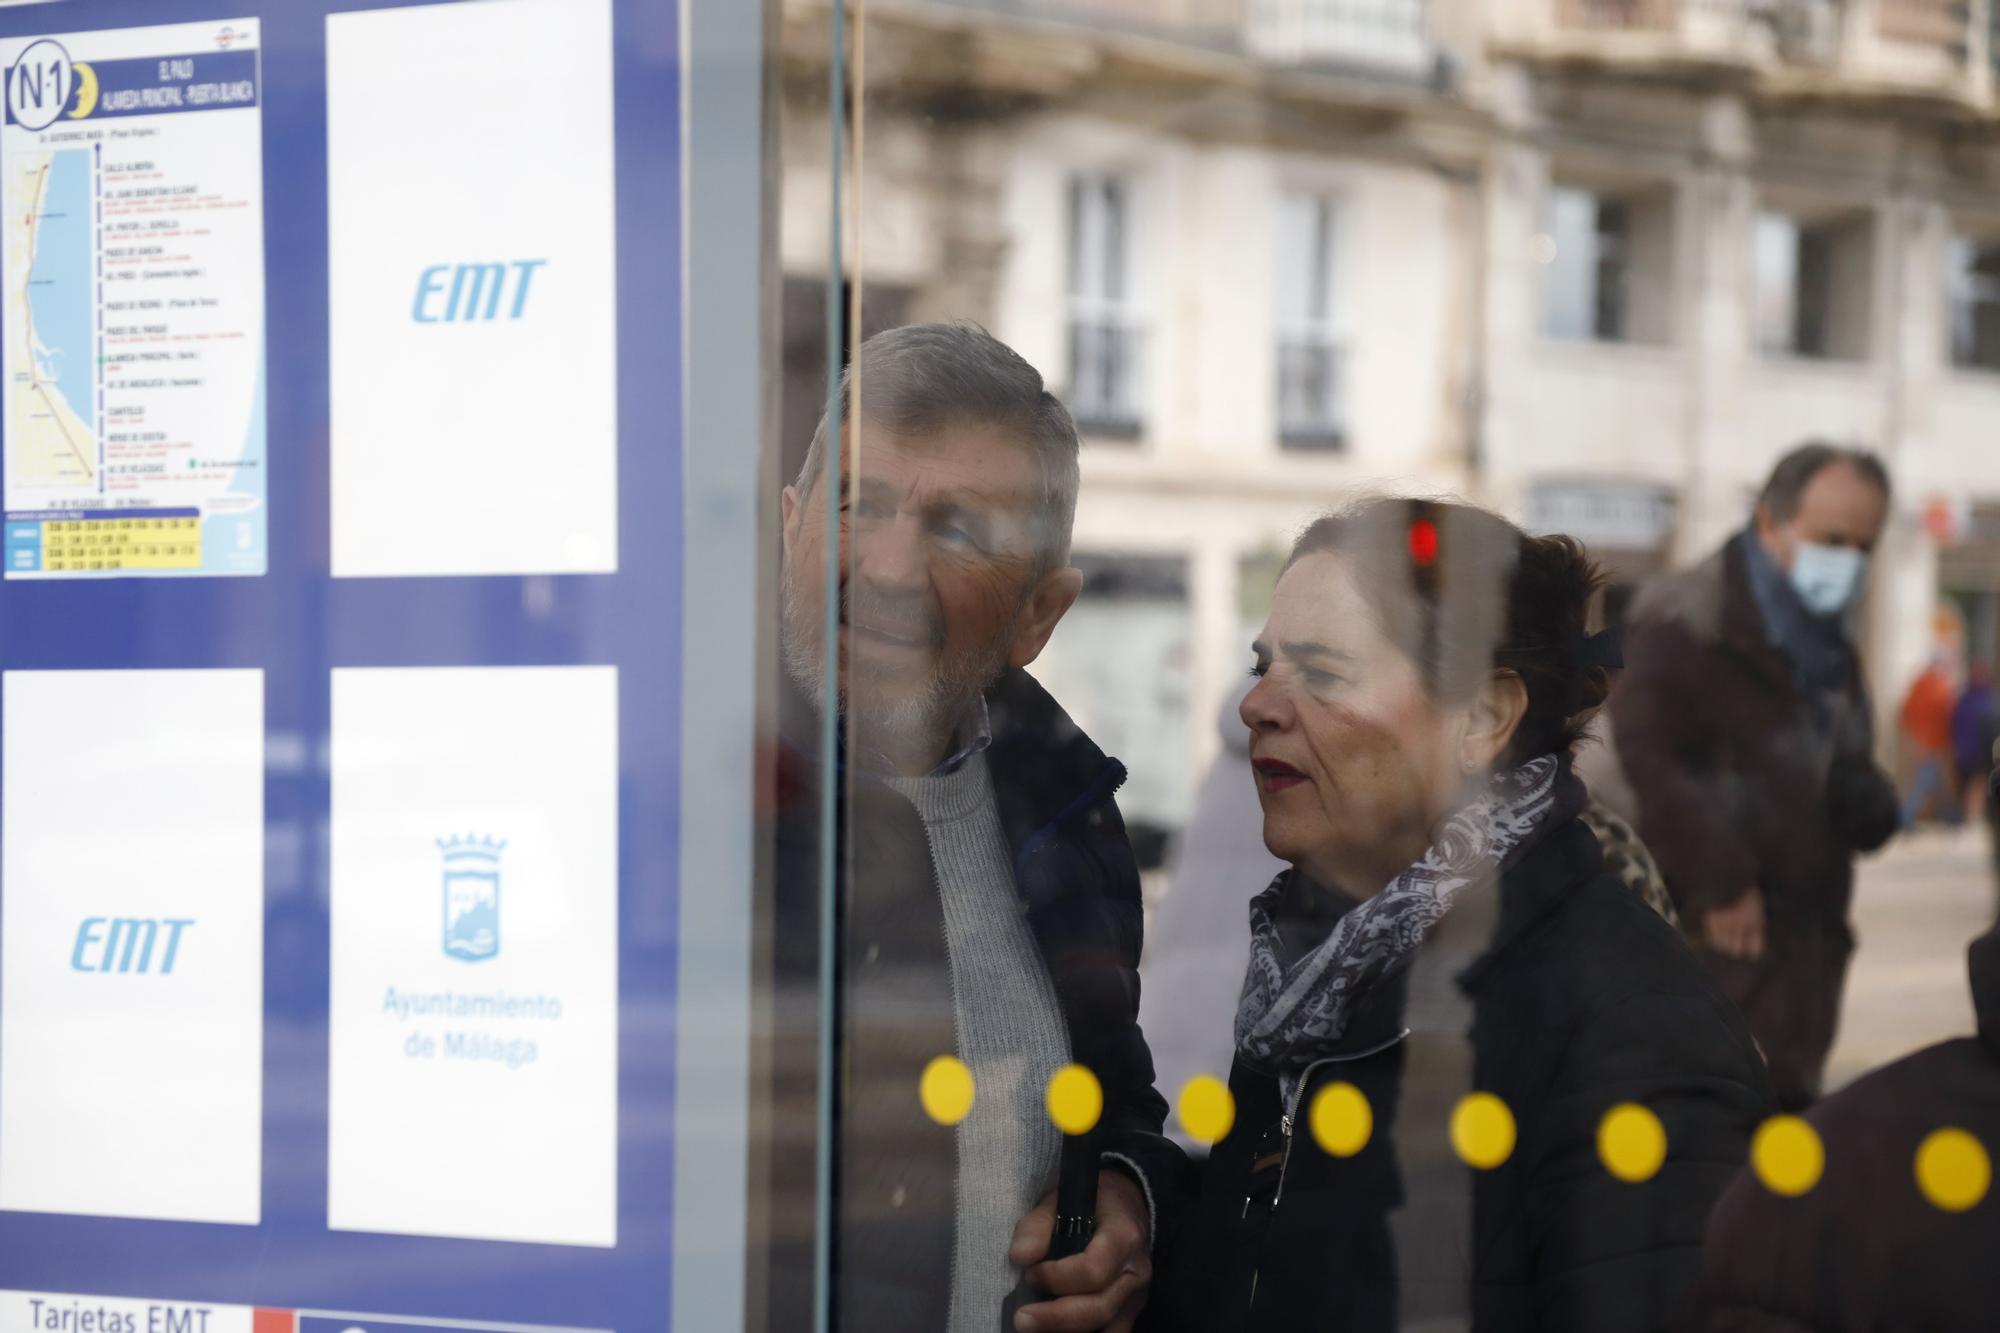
{"type": "Point", "coordinates": [1594, 263]}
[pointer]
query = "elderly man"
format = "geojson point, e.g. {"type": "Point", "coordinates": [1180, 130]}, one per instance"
{"type": "Point", "coordinates": [989, 901]}
{"type": "Point", "coordinates": [1744, 727]}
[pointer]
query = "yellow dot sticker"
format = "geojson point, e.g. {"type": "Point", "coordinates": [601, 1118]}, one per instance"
{"type": "Point", "coordinates": [1075, 1100]}
{"type": "Point", "coordinates": [1207, 1110]}
{"type": "Point", "coordinates": [946, 1090]}
{"type": "Point", "coordinates": [1787, 1156]}
{"type": "Point", "coordinates": [1482, 1130]}
{"type": "Point", "coordinates": [1341, 1119]}
{"type": "Point", "coordinates": [1631, 1142]}
{"type": "Point", "coordinates": [1953, 1170]}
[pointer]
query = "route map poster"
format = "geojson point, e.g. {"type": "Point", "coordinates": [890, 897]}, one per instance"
{"type": "Point", "coordinates": [131, 165]}
{"type": "Point", "coordinates": [347, 973]}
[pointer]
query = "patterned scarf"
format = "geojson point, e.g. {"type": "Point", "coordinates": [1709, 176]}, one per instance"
{"type": "Point", "coordinates": [1290, 1017]}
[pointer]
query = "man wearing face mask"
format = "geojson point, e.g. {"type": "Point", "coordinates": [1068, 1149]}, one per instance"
{"type": "Point", "coordinates": [1744, 727]}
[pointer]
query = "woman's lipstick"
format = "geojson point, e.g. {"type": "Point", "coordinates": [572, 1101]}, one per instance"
{"type": "Point", "coordinates": [1275, 776]}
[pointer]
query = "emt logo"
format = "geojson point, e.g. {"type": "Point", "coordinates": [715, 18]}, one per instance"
{"type": "Point", "coordinates": [128, 944]}
{"type": "Point", "coordinates": [457, 293]}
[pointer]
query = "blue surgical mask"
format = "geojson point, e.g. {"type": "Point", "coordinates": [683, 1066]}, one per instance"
{"type": "Point", "coordinates": [1827, 577]}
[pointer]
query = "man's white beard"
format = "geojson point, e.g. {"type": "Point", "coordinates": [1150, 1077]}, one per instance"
{"type": "Point", "coordinates": [884, 719]}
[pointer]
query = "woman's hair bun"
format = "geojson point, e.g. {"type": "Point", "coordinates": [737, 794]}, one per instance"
{"type": "Point", "coordinates": [1596, 689]}
{"type": "Point", "coordinates": [1476, 594]}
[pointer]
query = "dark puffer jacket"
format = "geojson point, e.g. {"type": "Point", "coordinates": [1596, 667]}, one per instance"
{"type": "Point", "coordinates": [1864, 1250]}
{"type": "Point", "coordinates": [896, 1171]}
{"type": "Point", "coordinates": [1583, 999]}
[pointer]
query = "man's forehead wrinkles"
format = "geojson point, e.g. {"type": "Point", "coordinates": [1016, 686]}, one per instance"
{"type": "Point", "coordinates": [954, 464]}
{"type": "Point", "coordinates": [932, 490]}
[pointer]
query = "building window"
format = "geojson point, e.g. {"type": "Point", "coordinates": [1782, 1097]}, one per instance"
{"type": "Point", "coordinates": [1975, 303]}
{"type": "Point", "coordinates": [1104, 331]}
{"type": "Point", "coordinates": [1812, 286]}
{"type": "Point", "coordinates": [1608, 259]}
{"type": "Point", "coordinates": [1311, 359]}
{"type": "Point", "coordinates": [1786, 267]}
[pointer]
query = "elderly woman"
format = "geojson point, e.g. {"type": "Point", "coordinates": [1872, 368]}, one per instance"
{"type": "Point", "coordinates": [1422, 680]}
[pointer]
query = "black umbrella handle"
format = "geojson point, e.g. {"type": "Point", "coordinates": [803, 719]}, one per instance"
{"type": "Point", "coordinates": [1076, 1217]}
{"type": "Point", "coordinates": [1076, 1197]}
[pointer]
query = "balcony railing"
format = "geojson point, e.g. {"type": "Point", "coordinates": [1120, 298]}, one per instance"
{"type": "Point", "coordinates": [1927, 46]}
{"type": "Point", "coordinates": [1386, 34]}
{"type": "Point", "coordinates": [1216, 24]}
{"type": "Point", "coordinates": [1737, 32]}
{"type": "Point", "coordinates": [1650, 15]}
{"type": "Point", "coordinates": [1311, 382]}
{"type": "Point", "coordinates": [1361, 35]}
{"type": "Point", "coordinates": [1104, 370]}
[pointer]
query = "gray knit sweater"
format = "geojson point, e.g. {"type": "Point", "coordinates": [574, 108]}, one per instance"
{"type": "Point", "coordinates": [1010, 1033]}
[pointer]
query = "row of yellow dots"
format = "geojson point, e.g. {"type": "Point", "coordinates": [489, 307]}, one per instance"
{"type": "Point", "coordinates": [1952, 1167]}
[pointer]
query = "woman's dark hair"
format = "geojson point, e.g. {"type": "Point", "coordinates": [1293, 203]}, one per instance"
{"type": "Point", "coordinates": [1463, 593]}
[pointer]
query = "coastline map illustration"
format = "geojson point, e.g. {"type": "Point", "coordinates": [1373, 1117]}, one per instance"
{"type": "Point", "coordinates": [52, 436]}
{"type": "Point", "coordinates": [132, 329]}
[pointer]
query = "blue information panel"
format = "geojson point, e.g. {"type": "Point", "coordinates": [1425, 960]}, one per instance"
{"type": "Point", "coordinates": [340, 736]}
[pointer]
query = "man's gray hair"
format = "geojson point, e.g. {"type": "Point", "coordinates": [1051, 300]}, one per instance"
{"type": "Point", "coordinates": [1786, 487]}
{"type": "Point", "coordinates": [921, 377]}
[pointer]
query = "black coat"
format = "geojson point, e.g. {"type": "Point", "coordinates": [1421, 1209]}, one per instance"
{"type": "Point", "coordinates": [896, 1170]}
{"type": "Point", "coordinates": [1738, 787]}
{"type": "Point", "coordinates": [1583, 999]}
{"type": "Point", "coordinates": [1863, 1250]}
{"type": "Point", "coordinates": [1313, 1250]}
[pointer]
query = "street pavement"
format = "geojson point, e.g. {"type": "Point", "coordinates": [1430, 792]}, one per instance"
{"type": "Point", "coordinates": [1917, 905]}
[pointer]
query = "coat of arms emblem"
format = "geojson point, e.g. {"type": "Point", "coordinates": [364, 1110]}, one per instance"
{"type": "Point", "coordinates": [471, 897]}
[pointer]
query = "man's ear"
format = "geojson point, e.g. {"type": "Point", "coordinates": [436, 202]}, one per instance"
{"type": "Point", "coordinates": [1773, 537]}
{"type": "Point", "coordinates": [1767, 526]}
{"type": "Point", "coordinates": [789, 510]}
{"type": "Point", "coordinates": [1496, 713]}
{"type": "Point", "coordinates": [1047, 604]}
